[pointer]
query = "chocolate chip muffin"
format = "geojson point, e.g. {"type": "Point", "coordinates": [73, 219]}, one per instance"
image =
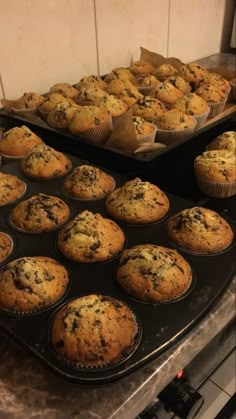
{"type": "Point", "coordinates": [112, 104]}
{"type": "Point", "coordinates": [39, 213]}
{"type": "Point", "coordinates": [91, 80]}
{"type": "Point", "coordinates": [174, 120]}
{"type": "Point", "coordinates": [64, 89]}
{"type": "Point", "coordinates": [62, 115]}
{"type": "Point", "coordinates": [192, 104]}
{"type": "Point", "coordinates": [6, 246]}
{"type": "Point", "coordinates": [180, 84]}
{"type": "Point", "coordinates": [88, 182]}
{"type": "Point", "coordinates": [210, 93]}
{"type": "Point", "coordinates": [43, 162]}
{"type": "Point", "coordinates": [153, 273]}
{"type": "Point", "coordinates": [92, 122]}
{"type": "Point", "coordinates": [29, 101]}
{"type": "Point", "coordinates": [51, 101]}
{"type": "Point", "coordinates": [140, 67]}
{"type": "Point", "coordinates": [145, 131]}
{"type": "Point", "coordinates": [192, 73]}
{"type": "Point", "coordinates": [119, 73]}
{"type": "Point", "coordinates": [164, 71]}
{"type": "Point", "coordinates": [148, 108]}
{"type": "Point", "coordinates": [90, 95]}
{"type": "Point", "coordinates": [145, 82]}
{"type": "Point", "coordinates": [17, 141]}
{"type": "Point", "coordinates": [94, 331]}
{"type": "Point", "coordinates": [218, 81]}
{"type": "Point", "coordinates": [31, 284]}
{"type": "Point", "coordinates": [90, 238]}
{"type": "Point", "coordinates": [11, 188]}
{"type": "Point", "coordinates": [167, 93]}
{"type": "Point", "coordinates": [137, 202]}
{"type": "Point", "coordinates": [224, 141]}
{"type": "Point", "coordinates": [200, 230]}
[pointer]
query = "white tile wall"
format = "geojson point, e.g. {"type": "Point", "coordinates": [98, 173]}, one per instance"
{"type": "Point", "coordinates": [195, 28]}
{"type": "Point", "coordinates": [125, 25]}
{"type": "Point", "coordinates": [44, 42]}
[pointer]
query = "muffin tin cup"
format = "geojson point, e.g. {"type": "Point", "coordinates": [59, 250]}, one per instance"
{"type": "Point", "coordinates": [100, 134]}
{"type": "Point", "coordinates": [216, 189]}
{"type": "Point", "coordinates": [201, 119]}
{"type": "Point", "coordinates": [174, 136]}
{"type": "Point", "coordinates": [217, 108]}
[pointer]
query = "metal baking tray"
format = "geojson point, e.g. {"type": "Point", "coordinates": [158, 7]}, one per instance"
{"type": "Point", "coordinates": [160, 325]}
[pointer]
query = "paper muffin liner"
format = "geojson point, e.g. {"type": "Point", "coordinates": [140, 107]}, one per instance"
{"type": "Point", "coordinates": [216, 189]}
{"type": "Point", "coordinates": [18, 198]}
{"type": "Point", "coordinates": [11, 248]}
{"type": "Point", "coordinates": [99, 365]}
{"type": "Point", "coordinates": [201, 119]}
{"type": "Point", "coordinates": [24, 111]}
{"type": "Point", "coordinates": [149, 138]}
{"type": "Point", "coordinates": [169, 137]}
{"type": "Point", "coordinates": [100, 134]}
{"type": "Point", "coordinates": [8, 158]}
{"type": "Point", "coordinates": [217, 108]}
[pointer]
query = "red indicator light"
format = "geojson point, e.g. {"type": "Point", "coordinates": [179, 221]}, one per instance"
{"type": "Point", "coordinates": [180, 374]}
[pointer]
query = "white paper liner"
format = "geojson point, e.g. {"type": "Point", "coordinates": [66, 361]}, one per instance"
{"type": "Point", "coordinates": [201, 119]}
{"type": "Point", "coordinates": [216, 189]}
{"type": "Point", "coordinates": [100, 134]}
{"type": "Point", "coordinates": [149, 138]}
{"type": "Point", "coordinates": [169, 137]}
{"type": "Point", "coordinates": [7, 158]}
{"type": "Point", "coordinates": [217, 108]}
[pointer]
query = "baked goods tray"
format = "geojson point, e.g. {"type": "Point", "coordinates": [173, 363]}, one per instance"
{"type": "Point", "coordinates": [160, 325]}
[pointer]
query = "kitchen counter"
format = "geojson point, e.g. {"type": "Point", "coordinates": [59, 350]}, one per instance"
{"type": "Point", "coordinates": [29, 390]}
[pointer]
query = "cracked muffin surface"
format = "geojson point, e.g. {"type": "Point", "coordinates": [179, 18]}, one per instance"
{"type": "Point", "coordinates": [11, 188]}
{"type": "Point", "coordinates": [200, 230]}
{"type": "Point", "coordinates": [137, 202]}
{"type": "Point", "coordinates": [32, 283]}
{"type": "Point", "coordinates": [216, 166]}
{"type": "Point", "coordinates": [40, 213]}
{"type": "Point", "coordinates": [224, 141]}
{"type": "Point", "coordinates": [90, 238]}
{"type": "Point", "coordinates": [17, 141]}
{"type": "Point", "coordinates": [153, 273]}
{"type": "Point", "coordinates": [94, 331]}
{"type": "Point", "coordinates": [6, 246]}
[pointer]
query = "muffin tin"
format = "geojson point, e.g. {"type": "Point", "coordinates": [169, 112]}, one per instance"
{"type": "Point", "coordinates": [160, 325]}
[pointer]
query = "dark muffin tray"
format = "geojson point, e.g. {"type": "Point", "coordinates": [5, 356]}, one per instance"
{"type": "Point", "coordinates": [160, 325]}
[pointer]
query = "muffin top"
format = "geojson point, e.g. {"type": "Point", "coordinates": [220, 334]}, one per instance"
{"type": "Point", "coordinates": [192, 72]}
{"type": "Point", "coordinates": [87, 117]}
{"type": "Point", "coordinates": [88, 182]}
{"type": "Point", "coordinates": [52, 100]}
{"type": "Point", "coordinates": [210, 93]}
{"type": "Point", "coordinates": [167, 93]}
{"type": "Point", "coordinates": [137, 202]}
{"type": "Point", "coordinates": [142, 127]}
{"type": "Point", "coordinates": [90, 238]}
{"type": "Point", "coordinates": [94, 331]}
{"type": "Point", "coordinates": [192, 104]}
{"type": "Point", "coordinates": [146, 80]}
{"type": "Point", "coordinates": [225, 141]}
{"type": "Point", "coordinates": [29, 100]}
{"type": "Point", "coordinates": [31, 284]}
{"type": "Point", "coordinates": [16, 142]}
{"type": "Point", "coordinates": [216, 166]}
{"type": "Point", "coordinates": [180, 84]}
{"type": "Point", "coordinates": [174, 120]}
{"type": "Point", "coordinates": [200, 230]}
{"type": "Point", "coordinates": [43, 162]}
{"type": "Point", "coordinates": [40, 213]}
{"type": "Point", "coordinates": [61, 116]}
{"type": "Point", "coordinates": [11, 188]}
{"type": "Point", "coordinates": [141, 66]}
{"type": "Point", "coordinates": [89, 95]}
{"type": "Point", "coordinates": [164, 71]}
{"type": "Point", "coordinates": [148, 108]}
{"type": "Point", "coordinates": [119, 73]}
{"type": "Point", "coordinates": [218, 81]}
{"type": "Point", "coordinates": [113, 105]}
{"type": "Point", "coordinates": [6, 246]}
{"type": "Point", "coordinates": [91, 80]}
{"type": "Point", "coordinates": [124, 90]}
{"type": "Point", "coordinates": [153, 273]}
{"type": "Point", "coordinates": [65, 89]}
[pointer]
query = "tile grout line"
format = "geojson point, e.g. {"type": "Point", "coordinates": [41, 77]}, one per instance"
{"type": "Point", "coordinates": [96, 35]}
{"type": "Point", "coordinates": [168, 29]}
{"type": "Point", "coordinates": [2, 87]}
{"type": "Point", "coordinates": [222, 389]}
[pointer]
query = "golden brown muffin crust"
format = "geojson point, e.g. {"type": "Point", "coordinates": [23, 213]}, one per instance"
{"type": "Point", "coordinates": [18, 141]}
{"type": "Point", "coordinates": [216, 166]}
{"type": "Point", "coordinates": [225, 141]}
{"type": "Point", "coordinates": [6, 246]}
{"type": "Point", "coordinates": [174, 120]}
{"type": "Point", "coordinates": [11, 188]}
{"type": "Point", "coordinates": [148, 108]}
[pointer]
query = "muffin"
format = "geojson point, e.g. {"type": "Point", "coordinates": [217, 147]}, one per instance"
{"type": "Point", "coordinates": [6, 246]}
{"type": "Point", "coordinates": [215, 98]}
{"type": "Point", "coordinates": [192, 73]}
{"type": "Point", "coordinates": [140, 67]}
{"type": "Point", "coordinates": [119, 73]}
{"type": "Point", "coordinates": [51, 101]}
{"type": "Point", "coordinates": [64, 89]}
{"type": "Point", "coordinates": [153, 273]}
{"type": "Point", "coordinates": [88, 182]}
{"type": "Point", "coordinates": [113, 105]}
{"type": "Point", "coordinates": [145, 131]}
{"type": "Point", "coordinates": [148, 108]}
{"type": "Point", "coordinates": [164, 71]}
{"type": "Point", "coordinates": [167, 93]}
{"type": "Point", "coordinates": [39, 213]}
{"type": "Point", "coordinates": [16, 142]}
{"type": "Point", "coordinates": [28, 102]}
{"type": "Point", "coordinates": [61, 116]}
{"type": "Point", "coordinates": [199, 230]}
{"type": "Point", "coordinates": [89, 95]}
{"type": "Point", "coordinates": [174, 126]}
{"type": "Point", "coordinates": [91, 122]}
{"type": "Point", "coordinates": [91, 80]}
{"type": "Point", "coordinates": [137, 202]}
{"type": "Point", "coordinates": [225, 141]}
{"type": "Point", "coordinates": [218, 81]}
{"type": "Point", "coordinates": [80, 333]}
{"type": "Point", "coordinates": [194, 105]}
{"type": "Point", "coordinates": [11, 188]}
{"type": "Point", "coordinates": [125, 90]}
{"type": "Point", "coordinates": [31, 284]}
{"type": "Point", "coordinates": [180, 84]}
{"type": "Point", "coordinates": [145, 83]}
{"type": "Point", "coordinates": [215, 173]}
{"type": "Point", "coordinates": [90, 238]}
{"type": "Point", "coordinates": [43, 162]}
